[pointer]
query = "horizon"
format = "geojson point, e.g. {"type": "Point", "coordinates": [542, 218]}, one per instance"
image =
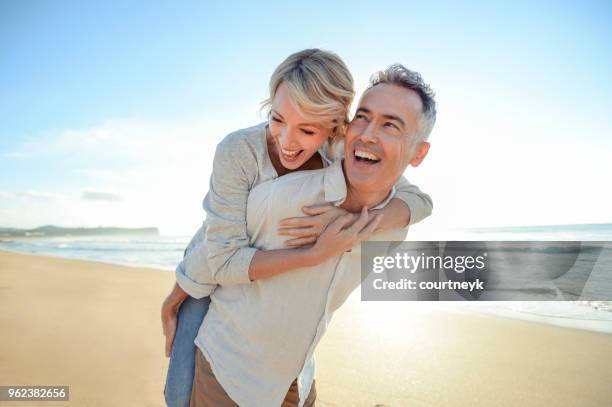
{"type": "Point", "coordinates": [160, 233]}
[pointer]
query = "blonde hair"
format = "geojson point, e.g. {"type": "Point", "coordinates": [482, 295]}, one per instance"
{"type": "Point", "coordinates": [320, 85]}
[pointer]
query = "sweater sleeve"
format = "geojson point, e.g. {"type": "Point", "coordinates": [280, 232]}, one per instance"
{"type": "Point", "coordinates": [228, 255]}
{"type": "Point", "coordinates": [197, 282]}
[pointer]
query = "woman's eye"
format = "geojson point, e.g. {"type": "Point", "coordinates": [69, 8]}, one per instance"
{"type": "Point", "coordinates": [276, 119]}
{"type": "Point", "coordinates": [307, 132]}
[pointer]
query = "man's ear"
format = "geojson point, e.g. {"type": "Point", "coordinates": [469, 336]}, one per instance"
{"type": "Point", "coordinates": [421, 152]}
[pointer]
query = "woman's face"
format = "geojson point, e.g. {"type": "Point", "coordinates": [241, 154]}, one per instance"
{"type": "Point", "coordinates": [296, 138]}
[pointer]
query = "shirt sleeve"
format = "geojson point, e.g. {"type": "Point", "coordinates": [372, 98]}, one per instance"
{"type": "Point", "coordinates": [420, 204]}
{"type": "Point", "coordinates": [198, 237]}
{"type": "Point", "coordinates": [228, 255]}
{"type": "Point", "coordinates": [197, 282]}
{"type": "Point", "coordinates": [193, 274]}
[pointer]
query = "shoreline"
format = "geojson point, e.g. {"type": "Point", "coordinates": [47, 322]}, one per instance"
{"type": "Point", "coordinates": [156, 267]}
{"type": "Point", "coordinates": [103, 263]}
{"type": "Point", "coordinates": [602, 325]}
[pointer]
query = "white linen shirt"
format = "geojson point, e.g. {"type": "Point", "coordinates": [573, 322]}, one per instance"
{"type": "Point", "coordinates": [259, 336]}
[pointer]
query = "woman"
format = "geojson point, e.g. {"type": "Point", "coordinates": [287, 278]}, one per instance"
{"type": "Point", "coordinates": [310, 96]}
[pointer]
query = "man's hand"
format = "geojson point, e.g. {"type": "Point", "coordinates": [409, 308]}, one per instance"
{"type": "Point", "coordinates": [340, 236]}
{"type": "Point", "coordinates": [306, 230]}
{"type": "Point", "coordinates": [169, 314]}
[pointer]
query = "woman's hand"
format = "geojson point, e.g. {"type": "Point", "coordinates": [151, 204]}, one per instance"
{"type": "Point", "coordinates": [344, 233]}
{"type": "Point", "coordinates": [306, 229]}
{"type": "Point", "coordinates": [169, 314]}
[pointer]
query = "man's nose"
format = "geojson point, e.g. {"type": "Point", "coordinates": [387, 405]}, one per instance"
{"type": "Point", "coordinates": [368, 135]}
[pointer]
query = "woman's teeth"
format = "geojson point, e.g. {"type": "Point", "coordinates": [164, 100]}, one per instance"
{"type": "Point", "coordinates": [290, 153]}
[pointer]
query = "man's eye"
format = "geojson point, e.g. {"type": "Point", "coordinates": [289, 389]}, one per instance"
{"type": "Point", "coordinates": [360, 117]}
{"type": "Point", "coordinates": [391, 125]}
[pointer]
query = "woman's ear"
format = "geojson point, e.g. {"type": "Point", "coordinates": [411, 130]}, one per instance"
{"type": "Point", "coordinates": [333, 134]}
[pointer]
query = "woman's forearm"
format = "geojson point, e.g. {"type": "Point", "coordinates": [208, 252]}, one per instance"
{"type": "Point", "coordinates": [272, 262]}
{"type": "Point", "coordinates": [396, 215]}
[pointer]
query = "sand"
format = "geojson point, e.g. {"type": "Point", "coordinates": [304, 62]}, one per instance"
{"type": "Point", "coordinates": [96, 328]}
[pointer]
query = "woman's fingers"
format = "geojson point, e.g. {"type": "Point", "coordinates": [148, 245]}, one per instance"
{"type": "Point", "coordinates": [297, 232]}
{"type": "Point", "coordinates": [302, 241]}
{"type": "Point", "coordinates": [317, 209]}
{"type": "Point", "coordinates": [370, 228]}
{"type": "Point", "coordinates": [297, 222]}
{"type": "Point", "coordinates": [360, 223]}
{"type": "Point", "coordinates": [340, 223]}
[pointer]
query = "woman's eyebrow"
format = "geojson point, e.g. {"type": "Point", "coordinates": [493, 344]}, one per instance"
{"type": "Point", "coordinates": [299, 124]}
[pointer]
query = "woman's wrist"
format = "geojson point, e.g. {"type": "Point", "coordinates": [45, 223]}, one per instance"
{"type": "Point", "coordinates": [314, 255]}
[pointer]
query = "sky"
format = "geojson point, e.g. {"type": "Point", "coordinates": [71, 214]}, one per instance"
{"type": "Point", "coordinates": [110, 111]}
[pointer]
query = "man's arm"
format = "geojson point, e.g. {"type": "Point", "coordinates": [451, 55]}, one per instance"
{"type": "Point", "coordinates": [169, 313]}
{"type": "Point", "coordinates": [418, 206]}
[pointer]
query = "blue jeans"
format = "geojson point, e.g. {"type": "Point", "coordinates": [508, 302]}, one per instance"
{"type": "Point", "coordinates": [181, 370]}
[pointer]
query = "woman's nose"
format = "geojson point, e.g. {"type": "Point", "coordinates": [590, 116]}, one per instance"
{"type": "Point", "coordinates": [287, 138]}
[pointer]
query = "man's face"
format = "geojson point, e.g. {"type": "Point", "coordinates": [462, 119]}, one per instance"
{"type": "Point", "coordinates": [380, 141]}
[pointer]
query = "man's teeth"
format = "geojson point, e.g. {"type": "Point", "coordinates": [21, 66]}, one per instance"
{"type": "Point", "coordinates": [290, 153]}
{"type": "Point", "coordinates": [366, 155]}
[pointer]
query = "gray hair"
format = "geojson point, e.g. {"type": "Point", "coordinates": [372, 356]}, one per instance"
{"type": "Point", "coordinates": [399, 75]}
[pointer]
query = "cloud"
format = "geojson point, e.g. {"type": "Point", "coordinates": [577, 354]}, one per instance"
{"type": "Point", "coordinates": [29, 195]}
{"type": "Point", "coordinates": [101, 196]}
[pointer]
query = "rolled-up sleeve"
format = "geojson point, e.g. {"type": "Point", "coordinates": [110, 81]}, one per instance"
{"type": "Point", "coordinates": [420, 203]}
{"type": "Point", "coordinates": [197, 282]}
{"type": "Point", "coordinates": [194, 288]}
{"type": "Point", "coordinates": [228, 253]}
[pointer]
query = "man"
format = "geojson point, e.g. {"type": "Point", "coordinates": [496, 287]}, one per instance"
{"type": "Point", "coordinates": [256, 344]}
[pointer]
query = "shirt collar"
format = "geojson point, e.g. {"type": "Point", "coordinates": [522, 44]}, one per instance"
{"type": "Point", "coordinates": [334, 185]}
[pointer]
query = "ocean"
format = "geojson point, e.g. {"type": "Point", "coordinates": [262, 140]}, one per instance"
{"type": "Point", "coordinates": [159, 252]}
{"type": "Point", "coordinates": [164, 253]}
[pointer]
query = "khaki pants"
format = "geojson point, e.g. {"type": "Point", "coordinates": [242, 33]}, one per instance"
{"type": "Point", "coordinates": [207, 391]}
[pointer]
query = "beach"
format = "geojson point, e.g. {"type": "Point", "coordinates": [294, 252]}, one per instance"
{"type": "Point", "coordinates": [96, 328]}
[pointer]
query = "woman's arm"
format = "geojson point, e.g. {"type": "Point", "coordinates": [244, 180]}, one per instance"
{"type": "Point", "coordinates": [224, 256]}
{"type": "Point", "coordinates": [196, 277]}
{"type": "Point", "coordinates": [340, 236]}
{"type": "Point", "coordinates": [408, 207]}
{"type": "Point", "coordinates": [228, 254]}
